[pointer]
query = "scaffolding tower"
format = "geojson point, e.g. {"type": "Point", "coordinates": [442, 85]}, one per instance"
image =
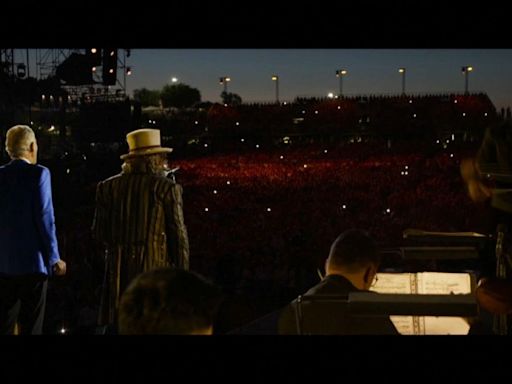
{"type": "Point", "coordinates": [47, 61]}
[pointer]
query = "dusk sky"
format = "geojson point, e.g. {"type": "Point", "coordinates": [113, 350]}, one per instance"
{"type": "Point", "coordinates": [312, 71]}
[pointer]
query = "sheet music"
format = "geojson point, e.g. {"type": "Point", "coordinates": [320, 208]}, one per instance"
{"type": "Point", "coordinates": [443, 325]}
{"type": "Point", "coordinates": [403, 324]}
{"type": "Point", "coordinates": [396, 283]}
{"type": "Point", "coordinates": [426, 283]}
{"type": "Point", "coordinates": [393, 283]}
{"type": "Point", "coordinates": [444, 283]}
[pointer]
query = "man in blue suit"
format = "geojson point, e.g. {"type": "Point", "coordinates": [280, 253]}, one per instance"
{"type": "Point", "coordinates": [28, 243]}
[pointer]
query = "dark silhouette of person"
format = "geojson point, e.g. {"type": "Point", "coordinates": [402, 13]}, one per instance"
{"type": "Point", "coordinates": [138, 219]}
{"type": "Point", "coordinates": [489, 180]}
{"type": "Point", "coordinates": [28, 243]}
{"type": "Point", "coordinates": [169, 301]}
{"type": "Point", "coordinates": [350, 267]}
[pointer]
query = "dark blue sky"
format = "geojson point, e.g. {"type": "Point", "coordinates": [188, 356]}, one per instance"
{"type": "Point", "coordinates": [312, 71]}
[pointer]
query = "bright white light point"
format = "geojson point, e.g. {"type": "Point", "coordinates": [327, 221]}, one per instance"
{"type": "Point", "coordinates": [302, 111]}
{"type": "Point", "coordinates": [330, 95]}
{"type": "Point", "coordinates": [402, 173]}
{"type": "Point", "coordinates": [225, 105]}
{"type": "Point", "coordinates": [344, 206]}
{"type": "Point", "coordinates": [228, 182]}
{"type": "Point", "coordinates": [62, 330]}
{"type": "Point", "coordinates": [485, 114]}
{"type": "Point", "coordinates": [406, 167]}
{"type": "Point", "coordinates": [268, 209]}
{"type": "Point", "coordinates": [414, 115]}
{"type": "Point", "coordinates": [447, 141]}
{"type": "Point", "coordinates": [242, 140]}
{"type": "Point", "coordinates": [463, 113]}
{"type": "Point", "coordinates": [388, 210]}
{"type": "Point", "coordinates": [196, 122]}
{"type": "Point", "coordinates": [406, 173]}
{"type": "Point", "coordinates": [206, 209]}
{"type": "Point", "coordinates": [437, 141]}
{"type": "Point", "coordinates": [174, 79]}
{"type": "Point", "coordinates": [305, 165]}
{"type": "Point", "coordinates": [206, 145]}
{"type": "Point", "coordinates": [325, 150]}
{"type": "Point", "coordinates": [281, 157]}
{"type": "Point", "coordinates": [451, 154]}
{"type": "Point", "coordinates": [257, 145]}
{"type": "Point", "coordinates": [68, 170]}
{"type": "Point", "coordinates": [316, 112]}
{"type": "Point", "coordinates": [237, 123]}
{"type": "Point", "coordinates": [215, 191]}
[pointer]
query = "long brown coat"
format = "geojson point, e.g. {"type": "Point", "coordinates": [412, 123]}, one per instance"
{"type": "Point", "coordinates": [139, 220]}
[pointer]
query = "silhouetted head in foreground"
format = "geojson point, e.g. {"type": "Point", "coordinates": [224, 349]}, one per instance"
{"type": "Point", "coordinates": [169, 301]}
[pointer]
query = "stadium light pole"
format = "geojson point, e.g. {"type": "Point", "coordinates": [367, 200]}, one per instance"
{"type": "Point", "coordinates": [402, 71]}
{"type": "Point", "coordinates": [224, 81]}
{"type": "Point", "coordinates": [465, 70]}
{"type": "Point", "coordinates": [340, 73]}
{"type": "Point", "coordinates": [276, 79]}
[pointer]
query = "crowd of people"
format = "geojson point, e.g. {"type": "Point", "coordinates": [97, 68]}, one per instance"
{"type": "Point", "coordinates": [261, 210]}
{"type": "Point", "coordinates": [260, 222]}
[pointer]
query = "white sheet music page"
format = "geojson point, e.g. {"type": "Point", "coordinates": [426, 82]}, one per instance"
{"type": "Point", "coordinates": [396, 283]}
{"type": "Point", "coordinates": [444, 283]}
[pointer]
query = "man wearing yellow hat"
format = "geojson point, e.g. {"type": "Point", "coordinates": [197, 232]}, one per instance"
{"type": "Point", "coordinates": [138, 219]}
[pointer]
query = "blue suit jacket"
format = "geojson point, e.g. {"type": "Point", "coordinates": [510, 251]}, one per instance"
{"type": "Point", "coordinates": [28, 243]}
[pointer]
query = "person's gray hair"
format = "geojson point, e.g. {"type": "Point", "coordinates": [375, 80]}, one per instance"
{"type": "Point", "coordinates": [18, 140]}
{"type": "Point", "coordinates": [151, 164]}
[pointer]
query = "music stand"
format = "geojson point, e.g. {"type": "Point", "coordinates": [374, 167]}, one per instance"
{"type": "Point", "coordinates": [372, 304]}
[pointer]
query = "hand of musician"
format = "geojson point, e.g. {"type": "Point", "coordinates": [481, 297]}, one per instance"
{"type": "Point", "coordinates": [478, 192]}
{"type": "Point", "coordinates": [59, 268]}
{"type": "Point", "coordinates": [468, 169]}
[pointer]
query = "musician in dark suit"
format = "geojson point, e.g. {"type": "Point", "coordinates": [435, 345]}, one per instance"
{"type": "Point", "coordinates": [138, 219]}
{"type": "Point", "coordinates": [28, 244]}
{"type": "Point", "coordinates": [351, 267]}
{"type": "Point", "coordinates": [489, 180]}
